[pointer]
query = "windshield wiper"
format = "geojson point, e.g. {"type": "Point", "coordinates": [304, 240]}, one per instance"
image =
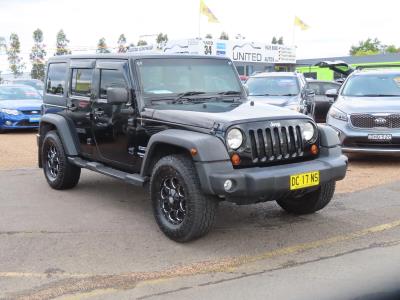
{"type": "Point", "coordinates": [287, 95]}
{"type": "Point", "coordinates": [186, 96]}
{"type": "Point", "coordinates": [230, 93]}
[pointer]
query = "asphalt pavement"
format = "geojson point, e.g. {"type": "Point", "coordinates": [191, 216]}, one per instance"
{"type": "Point", "coordinates": [100, 241]}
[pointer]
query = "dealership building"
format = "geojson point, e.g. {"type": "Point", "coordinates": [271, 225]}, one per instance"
{"type": "Point", "coordinates": [248, 57]}
{"type": "Point", "coordinates": [307, 66]}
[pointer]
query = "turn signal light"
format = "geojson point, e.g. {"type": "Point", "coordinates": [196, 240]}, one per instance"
{"type": "Point", "coordinates": [235, 159]}
{"type": "Point", "coordinates": [193, 151]}
{"type": "Point", "coordinates": [314, 149]}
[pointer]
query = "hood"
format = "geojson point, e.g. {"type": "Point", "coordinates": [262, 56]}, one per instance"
{"type": "Point", "coordinates": [21, 104]}
{"type": "Point", "coordinates": [274, 100]}
{"type": "Point", "coordinates": [351, 105]}
{"type": "Point", "coordinates": [205, 116]}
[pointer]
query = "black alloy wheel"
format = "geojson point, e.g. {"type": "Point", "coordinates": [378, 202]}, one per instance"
{"type": "Point", "coordinates": [172, 200]}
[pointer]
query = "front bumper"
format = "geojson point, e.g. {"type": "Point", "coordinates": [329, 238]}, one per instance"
{"type": "Point", "coordinates": [20, 121]}
{"type": "Point", "coordinates": [355, 140]}
{"type": "Point", "coordinates": [269, 183]}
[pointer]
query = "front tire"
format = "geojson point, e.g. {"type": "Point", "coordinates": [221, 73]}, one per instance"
{"type": "Point", "coordinates": [181, 210]}
{"type": "Point", "coordinates": [310, 202]}
{"type": "Point", "coordinates": [59, 172]}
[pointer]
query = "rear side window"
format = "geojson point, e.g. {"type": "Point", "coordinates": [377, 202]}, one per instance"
{"type": "Point", "coordinates": [110, 78]}
{"type": "Point", "coordinates": [55, 83]}
{"type": "Point", "coordinates": [81, 82]}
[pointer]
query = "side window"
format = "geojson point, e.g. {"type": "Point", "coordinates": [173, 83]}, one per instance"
{"type": "Point", "coordinates": [81, 82]}
{"type": "Point", "coordinates": [110, 78]}
{"type": "Point", "coordinates": [55, 83]}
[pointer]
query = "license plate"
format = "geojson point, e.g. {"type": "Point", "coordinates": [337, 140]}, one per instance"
{"type": "Point", "coordinates": [34, 119]}
{"type": "Point", "coordinates": [304, 180]}
{"type": "Point", "coordinates": [380, 137]}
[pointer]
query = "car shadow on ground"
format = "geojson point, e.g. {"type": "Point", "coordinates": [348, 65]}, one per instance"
{"type": "Point", "coordinates": [254, 222]}
{"type": "Point", "coordinates": [383, 159]}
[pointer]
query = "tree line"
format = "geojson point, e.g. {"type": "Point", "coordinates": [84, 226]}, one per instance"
{"type": "Point", "coordinates": [38, 52]}
{"type": "Point", "coordinates": [372, 47]}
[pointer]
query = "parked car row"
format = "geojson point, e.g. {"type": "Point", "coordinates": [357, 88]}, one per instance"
{"type": "Point", "coordinates": [20, 107]}
{"type": "Point", "coordinates": [364, 110]}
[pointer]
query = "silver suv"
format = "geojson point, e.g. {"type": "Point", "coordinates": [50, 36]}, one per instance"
{"type": "Point", "coordinates": [366, 113]}
{"type": "Point", "coordinates": [285, 89]}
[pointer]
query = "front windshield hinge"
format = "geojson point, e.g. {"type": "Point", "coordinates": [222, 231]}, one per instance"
{"type": "Point", "coordinates": [215, 128]}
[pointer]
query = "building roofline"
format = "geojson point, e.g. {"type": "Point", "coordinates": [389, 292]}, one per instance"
{"type": "Point", "coordinates": [378, 58]}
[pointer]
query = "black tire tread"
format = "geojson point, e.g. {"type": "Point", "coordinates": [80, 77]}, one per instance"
{"type": "Point", "coordinates": [206, 205]}
{"type": "Point", "coordinates": [70, 173]}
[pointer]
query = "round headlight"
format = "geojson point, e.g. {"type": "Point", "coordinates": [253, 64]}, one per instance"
{"type": "Point", "coordinates": [309, 132]}
{"type": "Point", "coordinates": [234, 138]}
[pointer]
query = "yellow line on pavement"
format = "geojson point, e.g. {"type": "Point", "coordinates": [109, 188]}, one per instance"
{"type": "Point", "coordinates": [320, 243]}
{"type": "Point", "coordinates": [95, 285]}
{"type": "Point", "coordinates": [86, 295]}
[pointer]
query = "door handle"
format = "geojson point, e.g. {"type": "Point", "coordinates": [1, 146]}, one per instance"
{"type": "Point", "coordinates": [72, 107]}
{"type": "Point", "coordinates": [98, 112]}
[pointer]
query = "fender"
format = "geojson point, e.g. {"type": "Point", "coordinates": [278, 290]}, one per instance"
{"type": "Point", "coordinates": [328, 136]}
{"type": "Point", "coordinates": [68, 138]}
{"type": "Point", "coordinates": [209, 148]}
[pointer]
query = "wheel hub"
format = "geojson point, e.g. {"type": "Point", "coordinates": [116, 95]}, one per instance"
{"type": "Point", "coordinates": [172, 200]}
{"type": "Point", "coordinates": [53, 161]}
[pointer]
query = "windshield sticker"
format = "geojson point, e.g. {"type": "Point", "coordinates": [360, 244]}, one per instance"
{"type": "Point", "coordinates": [160, 92]}
{"type": "Point", "coordinates": [286, 82]}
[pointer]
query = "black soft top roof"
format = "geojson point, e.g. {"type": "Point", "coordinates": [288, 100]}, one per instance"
{"type": "Point", "coordinates": [133, 55]}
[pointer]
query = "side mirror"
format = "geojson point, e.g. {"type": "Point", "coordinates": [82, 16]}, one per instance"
{"type": "Point", "coordinates": [309, 93]}
{"type": "Point", "coordinates": [309, 96]}
{"type": "Point", "coordinates": [117, 95]}
{"type": "Point", "coordinates": [332, 93]}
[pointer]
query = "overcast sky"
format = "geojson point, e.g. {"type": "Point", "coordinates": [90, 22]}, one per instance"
{"type": "Point", "coordinates": [334, 25]}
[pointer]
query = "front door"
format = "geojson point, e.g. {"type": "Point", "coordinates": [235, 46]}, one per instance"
{"type": "Point", "coordinates": [114, 125]}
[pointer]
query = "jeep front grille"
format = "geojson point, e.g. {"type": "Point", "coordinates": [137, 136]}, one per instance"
{"type": "Point", "coordinates": [375, 121]}
{"type": "Point", "coordinates": [276, 143]}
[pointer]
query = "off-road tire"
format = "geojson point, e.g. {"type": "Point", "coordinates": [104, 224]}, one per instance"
{"type": "Point", "coordinates": [200, 208]}
{"type": "Point", "coordinates": [309, 203]}
{"type": "Point", "coordinates": [68, 174]}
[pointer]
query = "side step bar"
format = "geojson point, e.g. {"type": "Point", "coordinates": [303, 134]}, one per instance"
{"type": "Point", "coordinates": [134, 179]}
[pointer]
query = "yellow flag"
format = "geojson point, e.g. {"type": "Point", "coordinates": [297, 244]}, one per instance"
{"type": "Point", "coordinates": [204, 10]}
{"type": "Point", "coordinates": [300, 23]}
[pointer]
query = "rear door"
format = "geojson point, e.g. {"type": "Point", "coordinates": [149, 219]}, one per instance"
{"type": "Point", "coordinates": [113, 125]}
{"type": "Point", "coordinates": [79, 99]}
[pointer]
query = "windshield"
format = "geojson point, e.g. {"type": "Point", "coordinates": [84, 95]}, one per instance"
{"type": "Point", "coordinates": [373, 85]}
{"type": "Point", "coordinates": [273, 86]}
{"type": "Point", "coordinates": [320, 88]}
{"type": "Point", "coordinates": [18, 93]}
{"type": "Point", "coordinates": [38, 85]}
{"type": "Point", "coordinates": [177, 76]}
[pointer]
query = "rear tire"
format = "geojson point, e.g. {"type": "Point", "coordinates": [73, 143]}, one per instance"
{"type": "Point", "coordinates": [59, 172]}
{"type": "Point", "coordinates": [182, 211]}
{"type": "Point", "coordinates": [310, 202]}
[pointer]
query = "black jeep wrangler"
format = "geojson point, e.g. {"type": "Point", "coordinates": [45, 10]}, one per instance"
{"type": "Point", "coordinates": [183, 126]}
